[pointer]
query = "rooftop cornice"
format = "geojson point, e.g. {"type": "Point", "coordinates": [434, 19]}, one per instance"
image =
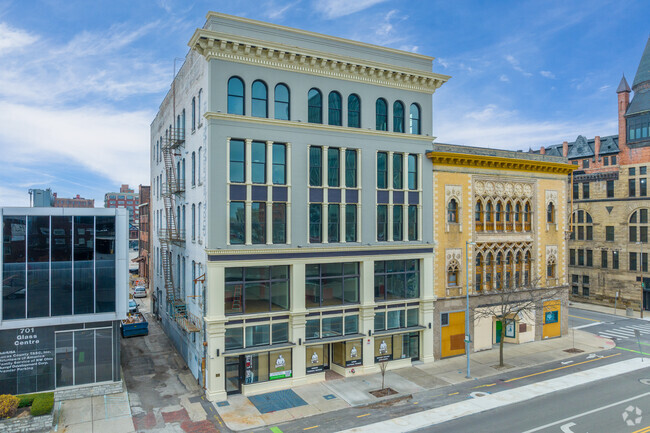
{"type": "Point", "coordinates": [214, 45]}
{"type": "Point", "coordinates": [499, 163]}
{"type": "Point", "coordinates": [425, 139]}
{"type": "Point", "coordinates": [212, 14]}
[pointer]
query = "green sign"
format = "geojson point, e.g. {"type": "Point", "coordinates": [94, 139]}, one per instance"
{"type": "Point", "coordinates": [279, 374]}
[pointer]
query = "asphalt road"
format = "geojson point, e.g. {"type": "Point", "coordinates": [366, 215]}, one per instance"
{"type": "Point", "coordinates": [511, 415]}
{"type": "Point", "coordinates": [617, 405]}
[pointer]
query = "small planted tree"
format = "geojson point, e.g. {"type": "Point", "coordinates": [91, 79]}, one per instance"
{"type": "Point", "coordinates": [382, 367]}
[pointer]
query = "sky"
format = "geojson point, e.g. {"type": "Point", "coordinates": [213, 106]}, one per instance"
{"type": "Point", "coordinates": [81, 81]}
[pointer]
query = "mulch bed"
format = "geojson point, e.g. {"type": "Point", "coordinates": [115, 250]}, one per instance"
{"type": "Point", "coordinates": [574, 350]}
{"type": "Point", "coordinates": [383, 392]}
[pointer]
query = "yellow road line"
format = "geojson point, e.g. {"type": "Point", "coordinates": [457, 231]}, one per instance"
{"type": "Point", "coordinates": [309, 428]}
{"type": "Point", "coordinates": [560, 368]}
{"type": "Point", "coordinates": [643, 430]}
{"type": "Point", "coordinates": [584, 318]}
{"type": "Point", "coordinates": [415, 402]}
{"type": "Point", "coordinates": [454, 393]}
{"type": "Point", "coordinates": [483, 386]}
{"type": "Point", "coordinates": [361, 416]}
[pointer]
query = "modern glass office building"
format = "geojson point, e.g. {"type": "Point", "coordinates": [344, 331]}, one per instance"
{"type": "Point", "coordinates": [64, 291]}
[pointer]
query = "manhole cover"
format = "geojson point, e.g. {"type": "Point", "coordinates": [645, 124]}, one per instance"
{"type": "Point", "coordinates": [479, 394]}
{"type": "Point", "coordinates": [645, 381]}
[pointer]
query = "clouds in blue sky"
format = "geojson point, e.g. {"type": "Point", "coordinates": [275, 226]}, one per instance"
{"type": "Point", "coordinates": [81, 81]}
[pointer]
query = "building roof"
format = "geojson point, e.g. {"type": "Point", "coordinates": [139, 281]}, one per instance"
{"type": "Point", "coordinates": [623, 86]}
{"type": "Point", "coordinates": [643, 72]}
{"type": "Point", "coordinates": [584, 148]}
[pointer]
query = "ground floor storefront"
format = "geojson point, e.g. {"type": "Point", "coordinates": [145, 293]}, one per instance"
{"type": "Point", "coordinates": [59, 357]}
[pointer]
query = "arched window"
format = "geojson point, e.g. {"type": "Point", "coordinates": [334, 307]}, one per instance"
{"type": "Point", "coordinates": [398, 116]}
{"type": "Point", "coordinates": [489, 222]}
{"type": "Point", "coordinates": [638, 226]}
{"type": "Point", "coordinates": [518, 263]}
{"type": "Point", "coordinates": [498, 217]}
{"type": "Point", "coordinates": [182, 129]}
{"type": "Point", "coordinates": [193, 222]}
{"type": "Point", "coordinates": [488, 271]}
{"type": "Point", "coordinates": [528, 216]}
{"type": "Point", "coordinates": [478, 216]}
{"type": "Point", "coordinates": [198, 109]}
{"type": "Point", "coordinates": [354, 111]}
{"type": "Point", "coordinates": [259, 105]}
{"type": "Point", "coordinates": [452, 274]}
{"type": "Point", "coordinates": [508, 216]}
{"type": "Point", "coordinates": [183, 223]}
{"type": "Point", "coordinates": [527, 269]}
{"type": "Point", "coordinates": [550, 214]}
{"type": "Point", "coordinates": [193, 113]}
{"type": "Point", "coordinates": [198, 170]}
{"type": "Point", "coordinates": [518, 217]}
{"type": "Point", "coordinates": [334, 109]}
{"type": "Point", "coordinates": [478, 273]}
{"type": "Point", "coordinates": [193, 168]}
{"type": "Point", "coordinates": [315, 106]}
{"type": "Point", "coordinates": [551, 268]}
{"type": "Point", "coordinates": [415, 119]}
{"type": "Point", "coordinates": [583, 229]}
{"type": "Point", "coordinates": [235, 96]}
{"type": "Point", "coordinates": [499, 271]}
{"type": "Point", "coordinates": [381, 110]}
{"type": "Point", "coordinates": [452, 211]}
{"type": "Point", "coordinates": [508, 271]}
{"type": "Point", "coordinates": [198, 221]}
{"type": "Point", "coordinates": [282, 106]}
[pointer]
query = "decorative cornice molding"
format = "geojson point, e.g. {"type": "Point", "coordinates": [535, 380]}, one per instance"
{"type": "Point", "coordinates": [215, 45]}
{"type": "Point", "coordinates": [317, 126]}
{"type": "Point", "coordinates": [499, 163]}
{"type": "Point", "coordinates": [359, 249]}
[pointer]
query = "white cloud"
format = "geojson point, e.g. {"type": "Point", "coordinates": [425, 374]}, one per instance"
{"type": "Point", "coordinates": [603, 88]}
{"type": "Point", "coordinates": [547, 74]}
{"type": "Point", "coordinates": [411, 48]}
{"type": "Point", "coordinates": [14, 39]}
{"type": "Point", "coordinates": [275, 11]}
{"type": "Point", "coordinates": [494, 127]}
{"type": "Point", "coordinates": [340, 8]}
{"type": "Point", "coordinates": [504, 78]}
{"type": "Point", "coordinates": [13, 196]}
{"type": "Point", "coordinates": [112, 143]}
{"type": "Point", "coordinates": [515, 65]}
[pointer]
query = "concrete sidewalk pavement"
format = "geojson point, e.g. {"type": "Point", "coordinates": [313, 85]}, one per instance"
{"type": "Point", "coordinates": [609, 310]}
{"type": "Point", "coordinates": [239, 413]}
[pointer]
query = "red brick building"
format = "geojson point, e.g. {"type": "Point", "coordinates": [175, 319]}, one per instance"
{"type": "Point", "coordinates": [73, 202]}
{"type": "Point", "coordinates": [144, 233]}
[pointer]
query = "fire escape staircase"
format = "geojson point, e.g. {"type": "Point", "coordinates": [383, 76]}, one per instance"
{"type": "Point", "coordinates": [172, 234]}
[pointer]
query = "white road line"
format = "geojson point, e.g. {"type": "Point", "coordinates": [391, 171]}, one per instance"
{"type": "Point", "coordinates": [587, 325]}
{"type": "Point", "coordinates": [438, 415]}
{"type": "Point", "coordinates": [612, 336]}
{"type": "Point", "coordinates": [616, 334]}
{"type": "Point", "coordinates": [542, 427]}
{"type": "Point", "coordinates": [640, 327]}
{"type": "Point", "coordinates": [619, 332]}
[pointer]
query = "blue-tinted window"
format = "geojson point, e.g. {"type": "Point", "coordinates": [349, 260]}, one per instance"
{"type": "Point", "coordinates": [398, 117]}
{"type": "Point", "coordinates": [333, 222]}
{"type": "Point", "coordinates": [282, 106]}
{"type": "Point", "coordinates": [333, 166]}
{"type": "Point", "coordinates": [237, 161]}
{"type": "Point", "coordinates": [237, 223]}
{"type": "Point", "coordinates": [62, 266]}
{"type": "Point", "coordinates": [315, 106]}
{"type": "Point", "coordinates": [354, 111]}
{"type": "Point", "coordinates": [315, 223]}
{"type": "Point", "coordinates": [14, 289]}
{"type": "Point", "coordinates": [279, 164]}
{"type": "Point", "coordinates": [334, 109]}
{"type": "Point", "coordinates": [315, 166]}
{"type": "Point", "coordinates": [259, 107]}
{"type": "Point", "coordinates": [381, 109]}
{"type": "Point", "coordinates": [84, 274]}
{"type": "Point", "coordinates": [236, 96]}
{"type": "Point", "coordinates": [258, 162]}
{"type": "Point", "coordinates": [382, 170]}
{"type": "Point", "coordinates": [105, 264]}
{"type": "Point", "coordinates": [415, 119]}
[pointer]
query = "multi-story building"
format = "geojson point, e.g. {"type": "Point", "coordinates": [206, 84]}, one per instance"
{"type": "Point", "coordinates": [144, 234]}
{"type": "Point", "coordinates": [45, 198]}
{"type": "Point", "coordinates": [608, 248]}
{"type": "Point", "coordinates": [499, 231]}
{"type": "Point", "coordinates": [64, 292]}
{"type": "Point", "coordinates": [299, 238]}
{"type": "Point", "coordinates": [128, 199]}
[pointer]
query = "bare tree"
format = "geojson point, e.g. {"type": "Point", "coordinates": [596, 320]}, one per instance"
{"type": "Point", "coordinates": [507, 303]}
{"type": "Point", "coordinates": [382, 368]}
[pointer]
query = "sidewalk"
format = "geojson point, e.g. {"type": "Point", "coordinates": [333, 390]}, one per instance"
{"type": "Point", "coordinates": [609, 310]}
{"type": "Point", "coordinates": [101, 414]}
{"type": "Point", "coordinates": [239, 413]}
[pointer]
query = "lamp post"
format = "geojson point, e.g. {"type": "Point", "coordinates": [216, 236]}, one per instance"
{"type": "Point", "coordinates": [467, 244]}
{"type": "Point", "coordinates": [641, 269]}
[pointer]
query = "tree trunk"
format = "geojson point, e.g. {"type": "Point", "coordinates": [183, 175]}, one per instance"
{"type": "Point", "coordinates": [503, 336]}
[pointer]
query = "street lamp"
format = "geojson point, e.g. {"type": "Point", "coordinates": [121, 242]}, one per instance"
{"type": "Point", "coordinates": [641, 269]}
{"type": "Point", "coordinates": [467, 339]}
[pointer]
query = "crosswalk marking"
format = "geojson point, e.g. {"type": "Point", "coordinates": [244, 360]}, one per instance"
{"type": "Point", "coordinates": [624, 332]}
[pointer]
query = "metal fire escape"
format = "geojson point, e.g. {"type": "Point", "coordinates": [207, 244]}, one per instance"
{"type": "Point", "coordinates": [173, 234]}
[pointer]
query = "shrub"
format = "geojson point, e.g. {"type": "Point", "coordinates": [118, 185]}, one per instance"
{"type": "Point", "coordinates": [25, 400]}
{"type": "Point", "coordinates": [8, 405]}
{"type": "Point", "coordinates": [43, 404]}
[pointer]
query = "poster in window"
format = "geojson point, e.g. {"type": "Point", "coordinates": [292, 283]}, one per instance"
{"type": "Point", "coordinates": [314, 359]}
{"type": "Point", "coordinates": [280, 365]}
{"type": "Point", "coordinates": [383, 348]}
{"type": "Point", "coordinates": [550, 317]}
{"type": "Point", "coordinates": [353, 351]}
{"type": "Point", "coordinates": [510, 329]}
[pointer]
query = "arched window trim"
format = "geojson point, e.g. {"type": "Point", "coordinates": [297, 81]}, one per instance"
{"type": "Point", "coordinates": [235, 97]}
{"type": "Point", "coordinates": [398, 116]}
{"type": "Point", "coordinates": [281, 103]}
{"type": "Point", "coordinates": [354, 116]}
{"type": "Point", "coordinates": [334, 109]}
{"type": "Point", "coordinates": [453, 273]}
{"type": "Point", "coordinates": [258, 101]}
{"type": "Point", "coordinates": [550, 213]}
{"type": "Point", "coordinates": [452, 211]}
{"type": "Point", "coordinates": [314, 106]}
{"type": "Point", "coordinates": [381, 114]}
{"type": "Point", "coordinates": [193, 113]}
{"type": "Point", "coordinates": [415, 126]}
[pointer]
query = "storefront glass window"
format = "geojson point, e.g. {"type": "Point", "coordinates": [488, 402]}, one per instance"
{"type": "Point", "coordinates": [257, 289]}
{"type": "Point", "coordinates": [312, 329]}
{"type": "Point", "coordinates": [351, 324]}
{"type": "Point", "coordinates": [383, 348]}
{"type": "Point", "coordinates": [84, 357]}
{"type": "Point", "coordinates": [332, 326]}
{"type": "Point", "coordinates": [353, 353]}
{"type": "Point", "coordinates": [234, 338]}
{"type": "Point", "coordinates": [380, 320]}
{"type": "Point", "coordinates": [257, 335]}
{"type": "Point", "coordinates": [104, 362]}
{"type": "Point", "coordinates": [395, 319]}
{"type": "Point", "coordinates": [412, 317]}
{"type": "Point", "coordinates": [397, 279]}
{"type": "Point", "coordinates": [331, 284]}
{"type": "Point", "coordinates": [314, 360]}
{"type": "Point", "coordinates": [280, 333]}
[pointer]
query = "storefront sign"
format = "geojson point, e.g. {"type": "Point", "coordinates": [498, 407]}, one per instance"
{"type": "Point", "coordinates": [279, 367]}
{"type": "Point", "coordinates": [550, 317]}
{"type": "Point", "coordinates": [510, 329]}
{"type": "Point", "coordinates": [382, 358]}
{"type": "Point", "coordinates": [353, 363]}
{"type": "Point", "coordinates": [314, 369]}
{"type": "Point", "coordinates": [26, 353]}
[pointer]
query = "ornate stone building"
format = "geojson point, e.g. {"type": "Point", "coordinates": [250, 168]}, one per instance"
{"type": "Point", "coordinates": [504, 209]}
{"type": "Point", "coordinates": [608, 248]}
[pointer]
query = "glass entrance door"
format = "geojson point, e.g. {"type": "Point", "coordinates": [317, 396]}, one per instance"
{"type": "Point", "coordinates": [234, 369]}
{"type": "Point", "coordinates": [326, 356]}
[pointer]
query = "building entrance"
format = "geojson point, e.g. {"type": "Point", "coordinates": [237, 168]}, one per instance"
{"type": "Point", "coordinates": [234, 374]}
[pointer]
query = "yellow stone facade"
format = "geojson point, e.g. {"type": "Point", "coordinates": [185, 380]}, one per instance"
{"type": "Point", "coordinates": [495, 205]}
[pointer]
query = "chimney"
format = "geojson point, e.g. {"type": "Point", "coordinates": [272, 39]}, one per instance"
{"type": "Point", "coordinates": [623, 93]}
{"type": "Point", "coordinates": [597, 148]}
{"type": "Point", "coordinates": [565, 149]}
{"type": "Point", "coordinates": [542, 151]}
